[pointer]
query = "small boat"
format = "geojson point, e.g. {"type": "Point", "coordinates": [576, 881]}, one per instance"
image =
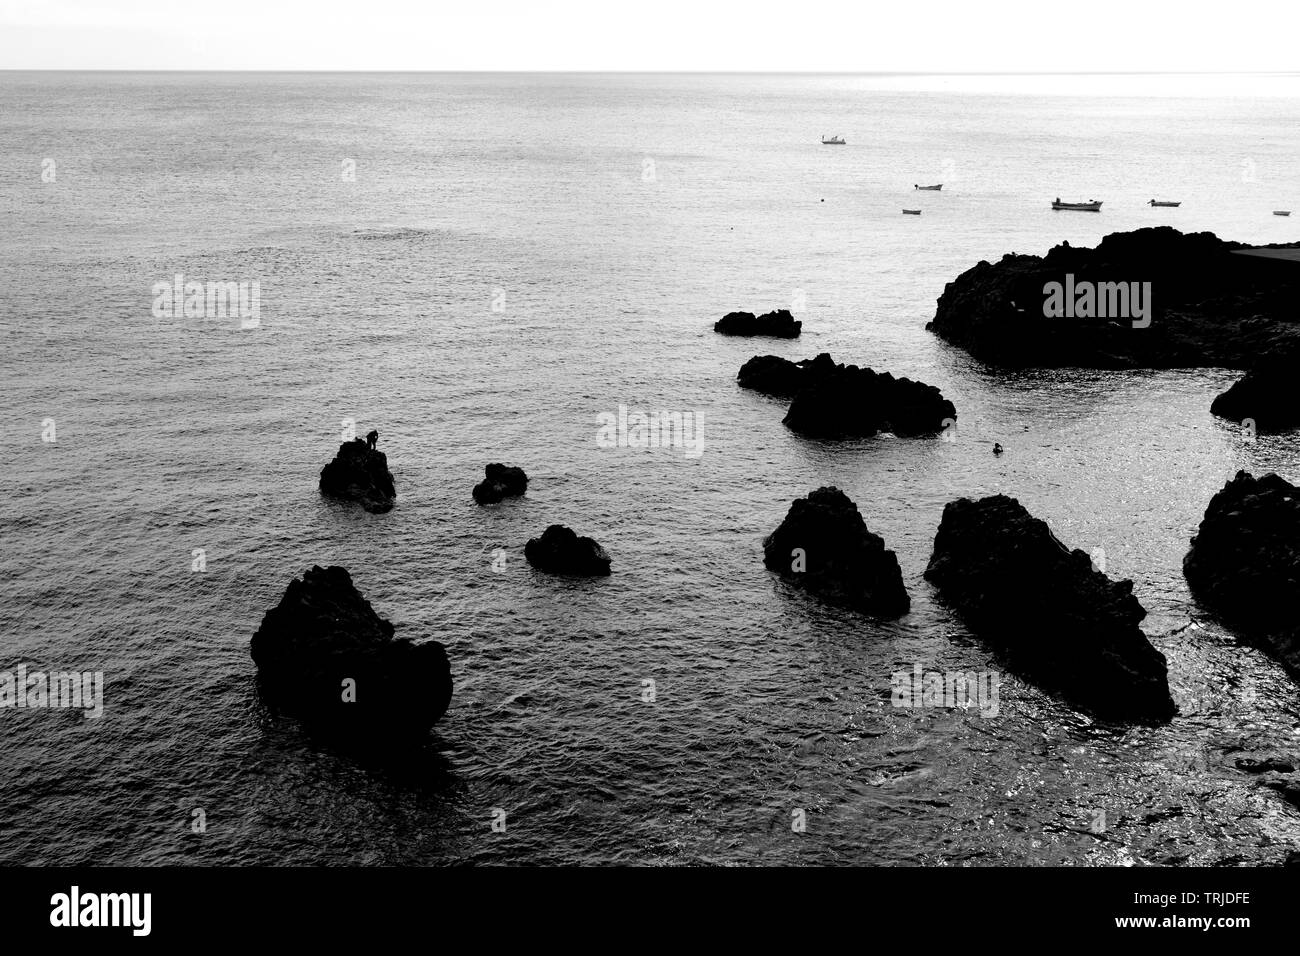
{"type": "Point", "coordinates": [833, 141]}
{"type": "Point", "coordinates": [1281, 212]}
{"type": "Point", "coordinates": [935, 188]}
{"type": "Point", "coordinates": [1157, 202]}
{"type": "Point", "coordinates": [911, 212]}
{"type": "Point", "coordinates": [1092, 205]}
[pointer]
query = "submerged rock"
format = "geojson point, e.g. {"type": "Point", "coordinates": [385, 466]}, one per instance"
{"type": "Point", "coordinates": [1268, 395]}
{"type": "Point", "coordinates": [1244, 563]}
{"type": "Point", "coordinates": [560, 551]}
{"type": "Point", "coordinates": [1211, 303]}
{"type": "Point", "coordinates": [844, 401]}
{"type": "Point", "coordinates": [824, 546]}
{"type": "Point", "coordinates": [1059, 620]}
{"type": "Point", "coordinates": [360, 473]}
{"type": "Point", "coordinates": [502, 481]}
{"type": "Point", "coordinates": [778, 324]}
{"type": "Point", "coordinates": [781, 377]}
{"type": "Point", "coordinates": [322, 635]}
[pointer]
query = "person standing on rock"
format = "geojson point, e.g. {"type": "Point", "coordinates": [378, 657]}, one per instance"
{"type": "Point", "coordinates": [372, 439]}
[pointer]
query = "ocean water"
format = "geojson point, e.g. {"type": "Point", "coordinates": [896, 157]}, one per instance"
{"type": "Point", "coordinates": [479, 267]}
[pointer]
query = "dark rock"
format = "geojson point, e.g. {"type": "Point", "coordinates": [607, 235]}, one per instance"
{"type": "Point", "coordinates": [1244, 563]}
{"type": "Point", "coordinates": [824, 545]}
{"type": "Point", "coordinates": [844, 401]}
{"type": "Point", "coordinates": [1264, 765]}
{"type": "Point", "coordinates": [1292, 858]}
{"type": "Point", "coordinates": [1268, 394]}
{"type": "Point", "coordinates": [502, 481]}
{"type": "Point", "coordinates": [1058, 619]}
{"type": "Point", "coordinates": [360, 473]}
{"type": "Point", "coordinates": [779, 324]}
{"type": "Point", "coordinates": [322, 633]}
{"type": "Point", "coordinates": [1286, 786]}
{"type": "Point", "coordinates": [1211, 305]}
{"type": "Point", "coordinates": [781, 377]}
{"type": "Point", "coordinates": [560, 551]}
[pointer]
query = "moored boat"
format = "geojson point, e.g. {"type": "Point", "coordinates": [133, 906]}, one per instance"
{"type": "Point", "coordinates": [833, 141]}
{"type": "Point", "coordinates": [935, 188]}
{"type": "Point", "coordinates": [911, 212]}
{"type": "Point", "coordinates": [1281, 212]}
{"type": "Point", "coordinates": [1159, 202]}
{"type": "Point", "coordinates": [1092, 205]}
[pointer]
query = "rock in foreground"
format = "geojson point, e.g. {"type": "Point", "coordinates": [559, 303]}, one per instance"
{"type": "Point", "coordinates": [560, 551]}
{"type": "Point", "coordinates": [323, 634]}
{"type": "Point", "coordinates": [1244, 562]}
{"type": "Point", "coordinates": [844, 401]}
{"type": "Point", "coordinates": [502, 481]}
{"type": "Point", "coordinates": [1212, 303]}
{"type": "Point", "coordinates": [824, 546]}
{"type": "Point", "coordinates": [1059, 620]}
{"type": "Point", "coordinates": [360, 473]}
{"type": "Point", "coordinates": [1268, 395]}
{"type": "Point", "coordinates": [779, 324]}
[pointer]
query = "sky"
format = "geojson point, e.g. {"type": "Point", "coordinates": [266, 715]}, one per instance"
{"type": "Point", "coordinates": [862, 36]}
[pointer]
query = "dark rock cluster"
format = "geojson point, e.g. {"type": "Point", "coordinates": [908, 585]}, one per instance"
{"type": "Point", "coordinates": [561, 551]}
{"type": "Point", "coordinates": [824, 546]}
{"type": "Point", "coordinates": [779, 324]}
{"type": "Point", "coordinates": [323, 654]}
{"type": "Point", "coordinates": [360, 473]}
{"type": "Point", "coordinates": [1057, 618]}
{"type": "Point", "coordinates": [501, 482]}
{"type": "Point", "coordinates": [1244, 562]}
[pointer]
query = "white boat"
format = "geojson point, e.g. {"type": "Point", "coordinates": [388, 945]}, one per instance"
{"type": "Point", "coordinates": [934, 188]}
{"type": "Point", "coordinates": [1281, 212]}
{"type": "Point", "coordinates": [1158, 202]}
{"type": "Point", "coordinates": [911, 212]}
{"type": "Point", "coordinates": [833, 141]}
{"type": "Point", "coordinates": [1092, 205]}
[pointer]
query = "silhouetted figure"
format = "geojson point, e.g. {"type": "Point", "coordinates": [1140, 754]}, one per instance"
{"type": "Point", "coordinates": [372, 439]}
{"type": "Point", "coordinates": [997, 448]}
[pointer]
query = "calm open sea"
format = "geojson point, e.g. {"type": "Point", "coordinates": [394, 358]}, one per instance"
{"type": "Point", "coordinates": [478, 267]}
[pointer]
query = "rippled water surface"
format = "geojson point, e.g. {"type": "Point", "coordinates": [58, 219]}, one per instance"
{"type": "Point", "coordinates": [611, 220]}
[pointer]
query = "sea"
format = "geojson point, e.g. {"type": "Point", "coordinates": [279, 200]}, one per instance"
{"type": "Point", "coordinates": [481, 267]}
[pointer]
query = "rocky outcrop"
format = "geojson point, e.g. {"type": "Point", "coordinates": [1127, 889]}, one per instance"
{"type": "Point", "coordinates": [1211, 305]}
{"type": "Point", "coordinates": [1268, 396]}
{"type": "Point", "coordinates": [323, 654]}
{"type": "Point", "coordinates": [824, 546]}
{"type": "Point", "coordinates": [1058, 620]}
{"type": "Point", "coordinates": [773, 375]}
{"type": "Point", "coordinates": [360, 473]}
{"type": "Point", "coordinates": [501, 481]}
{"type": "Point", "coordinates": [778, 324]}
{"type": "Point", "coordinates": [560, 551]}
{"type": "Point", "coordinates": [1244, 563]}
{"type": "Point", "coordinates": [844, 401]}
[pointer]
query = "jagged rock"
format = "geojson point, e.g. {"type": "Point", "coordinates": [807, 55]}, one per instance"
{"type": "Point", "coordinates": [1244, 562]}
{"type": "Point", "coordinates": [324, 633]}
{"type": "Point", "coordinates": [502, 481]}
{"type": "Point", "coordinates": [1058, 619]}
{"type": "Point", "coordinates": [824, 545]}
{"type": "Point", "coordinates": [778, 324]}
{"type": "Point", "coordinates": [560, 551]}
{"type": "Point", "coordinates": [781, 377]}
{"type": "Point", "coordinates": [1211, 304]}
{"type": "Point", "coordinates": [1286, 786]}
{"type": "Point", "coordinates": [844, 401]}
{"type": "Point", "coordinates": [1268, 395]}
{"type": "Point", "coordinates": [360, 473]}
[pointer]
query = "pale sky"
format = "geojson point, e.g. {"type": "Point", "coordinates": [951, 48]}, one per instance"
{"type": "Point", "coordinates": [860, 36]}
